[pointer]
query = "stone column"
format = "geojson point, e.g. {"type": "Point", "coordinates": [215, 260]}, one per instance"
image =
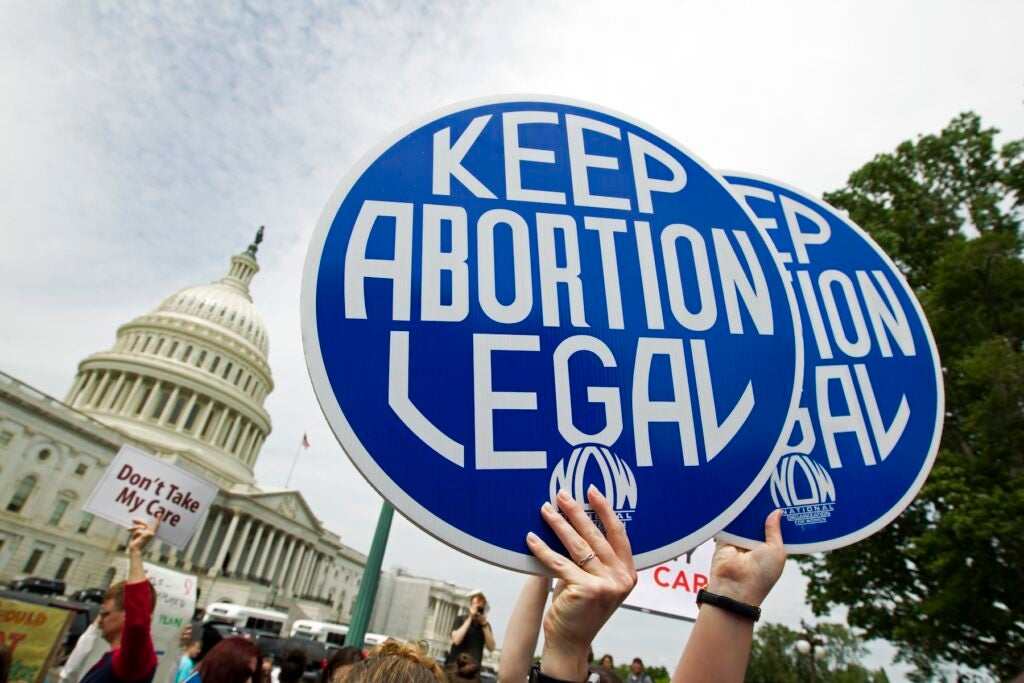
{"type": "Point", "coordinates": [232, 432]}
{"type": "Point", "coordinates": [283, 579]}
{"type": "Point", "coordinates": [243, 547]}
{"type": "Point", "coordinates": [251, 559]}
{"type": "Point", "coordinates": [133, 395]}
{"type": "Point", "coordinates": [91, 377]}
{"type": "Point", "coordinates": [293, 575]}
{"type": "Point", "coordinates": [97, 387]}
{"type": "Point", "coordinates": [210, 545]}
{"type": "Point", "coordinates": [180, 427]}
{"type": "Point", "coordinates": [204, 416]}
{"type": "Point", "coordinates": [225, 546]}
{"type": "Point", "coordinates": [273, 543]}
{"type": "Point", "coordinates": [283, 554]}
{"type": "Point", "coordinates": [75, 389]}
{"type": "Point", "coordinates": [221, 419]}
{"type": "Point", "coordinates": [165, 414]}
{"type": "Point", "coordinates": [310, 572]}
{"type": "Point", "coordinates": [114, 392]}
{"type": "Point", "coordinates": [153, 396]}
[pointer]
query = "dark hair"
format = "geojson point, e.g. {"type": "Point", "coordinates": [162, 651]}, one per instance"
{"type": "Point", "coordinates": [210, 638]}
{"type": "Point", "coordinates": [637, 660]}
{"type": "Point", "coordinates": [464, 668]}
{"type": "Point", "coordinates": [343, 657]}
{"type": "Point", "coordinates": [293, 665]}
{"type": "Point", "coordinates": [609, 658]}
{"type": "Point", "coordinates": [5, 662]}
{"type": "Point", "coordinates": [229, 662]}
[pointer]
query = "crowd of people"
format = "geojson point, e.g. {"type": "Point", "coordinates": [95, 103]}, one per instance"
{"type": "Point", "coordinates": [591, 584]}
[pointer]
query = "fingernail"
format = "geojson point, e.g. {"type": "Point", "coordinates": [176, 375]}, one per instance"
{"type": "Point", "coordinates": [546, 507]}
{"type": "Point", "coordinates": [531, 537]}
{"type": "Point", "coordinates": [593, 489]}
{"type": "Point", "coordinates": [564, 495]}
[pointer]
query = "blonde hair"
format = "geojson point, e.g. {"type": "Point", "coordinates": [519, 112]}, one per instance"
{"type": "Point", "coordinates": [395, 661]}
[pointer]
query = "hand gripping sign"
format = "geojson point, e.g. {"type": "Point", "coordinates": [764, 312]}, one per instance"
{"type": "Point", "coordinates": [867, 430]}
{"type": "Point", "coordinates": [515, 296]}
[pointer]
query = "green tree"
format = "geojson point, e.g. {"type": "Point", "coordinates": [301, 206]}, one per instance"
{"type": "Point", "coordinates": [774, 657]}
{"type": "Point", "coordinates": [942, 582]}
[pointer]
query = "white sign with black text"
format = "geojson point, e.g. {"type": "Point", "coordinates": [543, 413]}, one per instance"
{"type": "Point", "coordinates": [139, 485]}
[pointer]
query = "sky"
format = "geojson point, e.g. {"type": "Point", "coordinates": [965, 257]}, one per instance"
{"type": "Point", "coordinates": [143, 143]}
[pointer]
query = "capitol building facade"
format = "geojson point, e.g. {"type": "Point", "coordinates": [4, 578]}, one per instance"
{"type": "Point", "coordinates": [187, 382]}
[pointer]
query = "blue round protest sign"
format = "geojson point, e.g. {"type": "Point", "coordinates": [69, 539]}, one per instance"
{"type": "Point", "coordinates": [864, 437]}
{"type": "Point", "coordinates": [514, 296]}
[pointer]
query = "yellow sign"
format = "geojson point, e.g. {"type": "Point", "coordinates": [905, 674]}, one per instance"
{"type": "Point", "coordinates": [34, 635]}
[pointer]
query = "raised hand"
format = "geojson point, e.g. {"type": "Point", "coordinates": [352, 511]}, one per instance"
{"type": "Point", "coordinates": [593, 583]}
{"type": "Point", "coordinates": [142, 533]}
{"type": "Point", "coordinates": [748, 575]}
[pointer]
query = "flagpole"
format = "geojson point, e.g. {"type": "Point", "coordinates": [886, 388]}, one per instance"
{"type": "Point", "coordinates": [294, 460]}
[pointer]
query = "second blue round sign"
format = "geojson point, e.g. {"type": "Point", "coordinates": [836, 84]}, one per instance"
{"type": "Point", "coordinates": [515, 296]}
{"type": "Point", "coordinates": [863, 440]}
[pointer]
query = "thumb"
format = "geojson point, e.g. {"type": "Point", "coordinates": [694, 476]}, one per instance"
{"type": "Point", "coordinates": [773, 529]}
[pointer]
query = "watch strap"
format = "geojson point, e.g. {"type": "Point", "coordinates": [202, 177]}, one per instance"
{"type": "Point", "coordinates": [706, 597]}
{"type": "Point", "coordinates": [537, 676]}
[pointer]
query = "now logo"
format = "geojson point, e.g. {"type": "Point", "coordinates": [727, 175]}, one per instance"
{"type": "Point", "coordinates": [799, 480]}
{"type": "Point", "coordinates": [614, 478]}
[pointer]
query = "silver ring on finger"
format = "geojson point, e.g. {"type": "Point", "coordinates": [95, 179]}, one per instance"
{"type": "Point", "coordinates": [588, 558]}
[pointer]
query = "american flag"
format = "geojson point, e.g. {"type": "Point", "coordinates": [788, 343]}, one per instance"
{"type": "Point", "coordinates": [305, 440]}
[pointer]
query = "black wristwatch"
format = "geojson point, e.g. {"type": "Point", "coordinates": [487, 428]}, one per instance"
{"type": "Point", "coordinates": [705, 597]}
{"type": "Point", "coordinates": [537, 676]}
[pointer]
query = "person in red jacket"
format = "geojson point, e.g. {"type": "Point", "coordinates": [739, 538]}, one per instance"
{"type": "Point", "coordinates": [125, 618]}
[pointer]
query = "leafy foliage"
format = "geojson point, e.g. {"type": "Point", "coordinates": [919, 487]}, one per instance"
{"type": "Point", "coordinates": [942, 582]}
{"type": "Point", "coordinates": [774, 657]}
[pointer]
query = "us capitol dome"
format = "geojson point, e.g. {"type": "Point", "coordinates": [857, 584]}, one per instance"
{"type": "Point", "coordinates": [187, 381]}
{"type": "Point", "coordinates": [190, 377]}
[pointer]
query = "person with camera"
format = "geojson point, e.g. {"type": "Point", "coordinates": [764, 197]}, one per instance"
{"type": "Point", "coordinates": [472, 632]}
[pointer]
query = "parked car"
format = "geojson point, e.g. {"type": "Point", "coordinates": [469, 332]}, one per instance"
{"type": "Point", "coordinates": [89, 595]}
{"type": "Point", "coordinates": [38, 585]}
{"type": "Point", "coordinates": [316, 653]}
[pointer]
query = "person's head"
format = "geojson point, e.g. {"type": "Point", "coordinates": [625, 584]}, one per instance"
{"type": "Point", "coordinates": [637, 667]}
{"type": "Point", "coordinates": [395, 661]}
{"type": "Point", "coordinates": [268, 666]}
{"type": "Point", "coordinates": [112, 611]}
{"type": "Point", "coordinates": [5, 662]}
{"type": "Point", "coordinates": [340, 664]}
{"type": "Point", "coordinates": [464, 668]}
{"type": "Point", "coordinates": [209, 638]}
{"type": "Point", "coordinates": [477, 603]}
{"type": "Point", "coordinates": [608, 662]}
{"type": "Point", "coordinates": [232, 660]}
{"type": "Point", "coordinates": [293, 665]}
{"type": "Point", "coordinates": [193, 648]}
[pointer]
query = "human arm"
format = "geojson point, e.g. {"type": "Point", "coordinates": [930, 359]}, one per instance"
{"type": "Point", "coordinates": [485, 627]}
{"type": "Point", "coordinates": [719, 644]}
{"type": "Point", "coordinates": [593, 583]}
{"type": "Point", "coordinates": [459, 632]}
{"type": "Point", "coordinates": [77, 660]}
{"type": "Point", "coordinates": [523, 630]}
{"type": "Point", "coordinates": [136, 657]}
